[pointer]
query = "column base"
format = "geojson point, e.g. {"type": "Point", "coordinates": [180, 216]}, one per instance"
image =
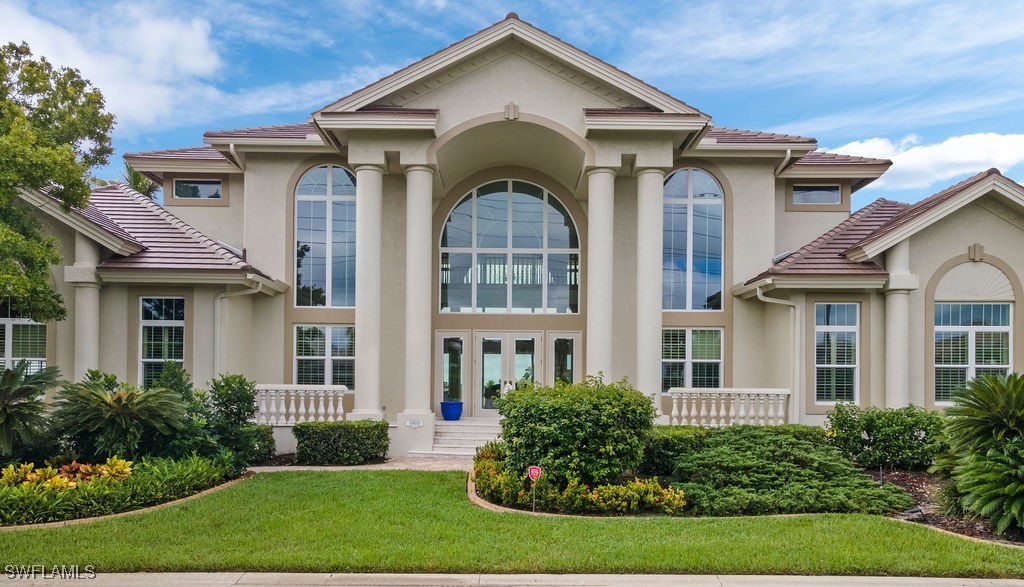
{"type": "Point", "coordinates": [415, 432]}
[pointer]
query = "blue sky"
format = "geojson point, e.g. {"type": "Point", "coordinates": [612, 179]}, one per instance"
{"type": "Point", "coordinates": [936, 86]}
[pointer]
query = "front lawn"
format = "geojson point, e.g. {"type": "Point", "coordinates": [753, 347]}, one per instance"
{"type": "Point", "coordinates": [413, 521]}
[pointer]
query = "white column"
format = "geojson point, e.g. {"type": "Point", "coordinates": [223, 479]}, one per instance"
{"type": "Point", "coordinates": [82, 275]}
{"type": "Point", "coordinates": [369, 196]}
{"type": "Point", "coordinates": [897, 326]}
{"type": "Point", "coordinates": [649, 220]}
{"type": "Point", "coordinates": [418, 248]}
{"type": "Point", "coordinates": [600, 274]}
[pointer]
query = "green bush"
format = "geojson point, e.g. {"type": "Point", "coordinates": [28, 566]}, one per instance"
{"type": "Point", "coordinates": [664, 445]}
{"type": "Point", "coordinates": [903, 438]}
{"type": "Point", "coordinates": [497, 485]}
{"type": "Point", "coordinates": [340, 443]}
{"type": "Point", "coordinates": [195, 435]}
{"type": "Point", "coordinates": [986, 437]}
{"type": "Point", "coordinates": [588, 432]}
{"type": "Point", "coordinates": [152, 481]}
{"type": "Point", "coordinates": [117, 421]}
{"type": "Point", "coordinates": [744, 470]}
{"type": "Point", "coordinates": [22, 412]}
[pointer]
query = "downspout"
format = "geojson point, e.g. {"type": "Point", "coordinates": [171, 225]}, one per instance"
{"type": "Point", "coordinates": [795, 376]}
{"type": "Point", "coordinates": [782, 166]}
{"type": "Point", "coordinates": [216, 320]}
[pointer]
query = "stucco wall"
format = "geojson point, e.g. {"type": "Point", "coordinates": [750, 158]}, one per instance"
{"type": "Point", "coordinates": [211, 217]}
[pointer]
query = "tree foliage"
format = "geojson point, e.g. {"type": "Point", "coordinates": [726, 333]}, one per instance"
{"type": "Point", "coordinates": [53, 129]}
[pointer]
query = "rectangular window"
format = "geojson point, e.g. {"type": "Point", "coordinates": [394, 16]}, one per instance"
{"type": "Point", "coordinates": [691, 357]}
{"type": "Point", "coordinates": [201, 189]}
{"type": "Point", "coordinates": [161, 336]}
{"type": "Point", "coordinates": [970, 340]}
{"type": "Point", "coordinates": [21, 340]}
{"type": "Point", "coordinates": [836, 353]}
{"type": "Point", "coordinates": [325, 355]}
{"type": "Point", "coordinates": [817, 194]}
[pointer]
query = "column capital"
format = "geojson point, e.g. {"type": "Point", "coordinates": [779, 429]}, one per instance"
{"type": "Point", "coordinates": [418, 167]}
{"type": "Point", "coordinates": [368, 167]}
{"type": "Point", "coordinates": [600, 169]}
{"type": "Point", "coordinates": [81, 276]}
{"type": "Point", "coordinates": [643, 170]}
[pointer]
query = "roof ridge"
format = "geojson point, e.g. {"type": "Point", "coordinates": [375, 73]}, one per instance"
{"type": "Point", "coordinates": [195, 234]}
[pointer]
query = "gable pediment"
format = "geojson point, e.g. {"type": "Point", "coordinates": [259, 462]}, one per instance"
{"type": "Point", "coordinates": [501, 40]}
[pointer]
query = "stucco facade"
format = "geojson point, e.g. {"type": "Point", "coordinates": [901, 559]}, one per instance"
{"type": "Point", "coordinates": [513, 103]}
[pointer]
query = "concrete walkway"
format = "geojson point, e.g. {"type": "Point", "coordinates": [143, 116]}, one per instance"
{"type": "Point", "coordinates": [368, 580]}
{"type": "Point", "coordinates": [406, 463]}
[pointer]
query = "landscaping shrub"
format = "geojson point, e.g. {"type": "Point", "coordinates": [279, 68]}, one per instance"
{"type": "Point", "coordinates": [195, 435]}
{"type": "Point", "coordinates": [745, 470]}
{"type": "Point", "coordinates": [340, 443]}
{"type": "Point", "coordinates": [588, 432]}
{"type": "Point", "coordinates": [986, 436]}
{"type": "Point", "coordinates": [903, 438]}
{"type": "Point", "coordinates": [497, 485]}
{"type": "Point", "coordinates": [664, 445]}
{"type": "Point", "coordinates": [115, 421]}
{"type": "Point", "coordinates": [113, 487]}
{"type": "Point", "coordinates": [22, 412]}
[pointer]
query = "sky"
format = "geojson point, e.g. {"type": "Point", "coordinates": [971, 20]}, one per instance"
{"type": "Point", "coordinates": [938, 87]}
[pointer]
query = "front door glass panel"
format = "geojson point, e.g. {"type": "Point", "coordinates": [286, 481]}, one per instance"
{"type": "Point", "coordinates": [491, 372]}
{"type": "Point", "coordinates": [565, 368]}
{"type": "Point", "coordinates": [525, 362]}
{"type": "Point", "coordinates": [451, 369]}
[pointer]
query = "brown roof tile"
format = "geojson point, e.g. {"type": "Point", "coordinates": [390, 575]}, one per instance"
{"type": "Point", "coordinates": [283, 131]}
{"type": "Point", "coordinates": [169, 242]}
{"type": "Point", "coordinates": [739, 135]}
{"type": "Point", "coordinates": [916, 210]}
{"type": "Point", "coordinates": [186, 154]}
{"type": "Point", "coordinates": [824, 158]}
{"type": "Point", "coordinates": [824, 255]}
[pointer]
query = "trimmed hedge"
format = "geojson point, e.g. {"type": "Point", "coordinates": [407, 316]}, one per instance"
{"type": "Point", "coordinates": [590, 432]}
{"type": "Point", "coordinates": [152, 482]}
{"type": "Point", "coordinates": [903, 438]}
{"type": "Point", "coordinates": [341, 443]}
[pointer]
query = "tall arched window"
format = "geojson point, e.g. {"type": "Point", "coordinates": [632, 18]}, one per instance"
{"type": "Point", "coordinates": [692, 248]}
{"type": "Point", "coordinates": [325, 238]}
{"type": "Point", "coordinates": [510, 247]}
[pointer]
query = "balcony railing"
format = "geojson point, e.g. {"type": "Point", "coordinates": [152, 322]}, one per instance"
{"type": "Point", "coordinates": [722, 407]}
{"type": "Point", "coordinates": [287, 405]}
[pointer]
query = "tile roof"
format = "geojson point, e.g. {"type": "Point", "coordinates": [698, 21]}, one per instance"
{"type": "Point", "coordinates": [916, 210]}
{"type": "Point", "coordinates": [188, 154]}
{"type": "Point", "coordinates": [97, 217]}
{"type": "Point", "coordinates": [170, 243]}
{"type": "Point", "coordinates": [824, 158]}
{"type": "Point", "coordinates": [739, 135]}
{"type": "Point", "coordinates": [824, 255]}
{"type": "Point", "coordinates": [283, 131]}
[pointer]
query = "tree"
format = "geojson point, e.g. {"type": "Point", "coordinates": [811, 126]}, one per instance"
{"type": "Point", "coordinates": [139, 182]}
{"type": "Point", "coordinates": [53, 129]}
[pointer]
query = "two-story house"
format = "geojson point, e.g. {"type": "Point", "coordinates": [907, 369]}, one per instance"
{"type": "Point", "coordinates": [512, 208]}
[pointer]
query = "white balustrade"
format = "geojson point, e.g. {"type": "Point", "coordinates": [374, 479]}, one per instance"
{"type": "Point", "coordinates": [287, 405]}
{"type": "Point", "coordinates": [722, 407]}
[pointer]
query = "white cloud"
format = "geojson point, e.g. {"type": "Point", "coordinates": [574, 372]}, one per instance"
{"type": "Point", "coordinates": [917, 165]}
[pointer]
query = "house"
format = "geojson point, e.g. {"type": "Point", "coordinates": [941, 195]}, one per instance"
{"type": "Point", "coordinates": [512, 208]}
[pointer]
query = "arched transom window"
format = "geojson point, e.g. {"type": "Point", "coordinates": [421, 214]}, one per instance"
{"type": "Point", "coordinates": [692, 258]}
{"type": "Point", "coordinates": [510, 247]}
{"type": "Point", "coordinates": [325, 238]}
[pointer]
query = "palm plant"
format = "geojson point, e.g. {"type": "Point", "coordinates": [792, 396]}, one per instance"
{"type": "Point", "coordinates": [139, 182]}
{"type": "Point", "coordinates": [118, 418]}
{"type": "Point", "coordinates": [22, 411]}
{"type": "Point", "coordinates": [987, 411]}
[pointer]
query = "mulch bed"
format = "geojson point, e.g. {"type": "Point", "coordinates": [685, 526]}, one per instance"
{"type": "Point", "coordinates": [924, 488]}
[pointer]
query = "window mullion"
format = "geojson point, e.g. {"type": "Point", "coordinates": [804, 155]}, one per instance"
{"type": "Point", "coordinates": [689, 246]}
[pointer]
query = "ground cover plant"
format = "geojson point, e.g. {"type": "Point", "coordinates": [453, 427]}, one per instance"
{"type": "Point", "coordinates": [745, 470]}
{"type": "Point", "coordinates": [332, 522]}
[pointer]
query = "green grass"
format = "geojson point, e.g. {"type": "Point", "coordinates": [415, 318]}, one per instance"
{"type": "Point", "coordinates": [408, 521]}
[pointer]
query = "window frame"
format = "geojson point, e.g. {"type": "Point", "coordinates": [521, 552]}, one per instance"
{"type": "Point", "coordinates": [329, 199]}
{"type": "Point", "coordinates": [327, 358]}
{"type": "Point", "coordinates": [143, 323]}
{"type": "Point", "coordinates": [690, 202]}
{"type": "Point", "coordinates": [843, 205]}
{"type": "Point", "coordinates": [7, 358]}
{"type": "Point", "coordinates": [197, 180]}
{"type": "Point", "coordinates": [688, 361]}
{"type": "Point", "coordinates": [474, 250]}
{"type": "Point", "coordinates": [819, 187]}
{"type": "Point", "coordinates": [856, 366]}
{"type": "Point", "coordinates": [972, 332]}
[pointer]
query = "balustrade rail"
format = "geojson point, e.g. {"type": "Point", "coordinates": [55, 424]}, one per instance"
{"type": "Point", "coordinates": [287, 405]}
{"type": "Point", "coordinates": [722, 407]}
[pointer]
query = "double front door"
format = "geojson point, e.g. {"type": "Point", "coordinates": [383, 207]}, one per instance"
{"type": "Point", "coordinates": [477, 367]}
